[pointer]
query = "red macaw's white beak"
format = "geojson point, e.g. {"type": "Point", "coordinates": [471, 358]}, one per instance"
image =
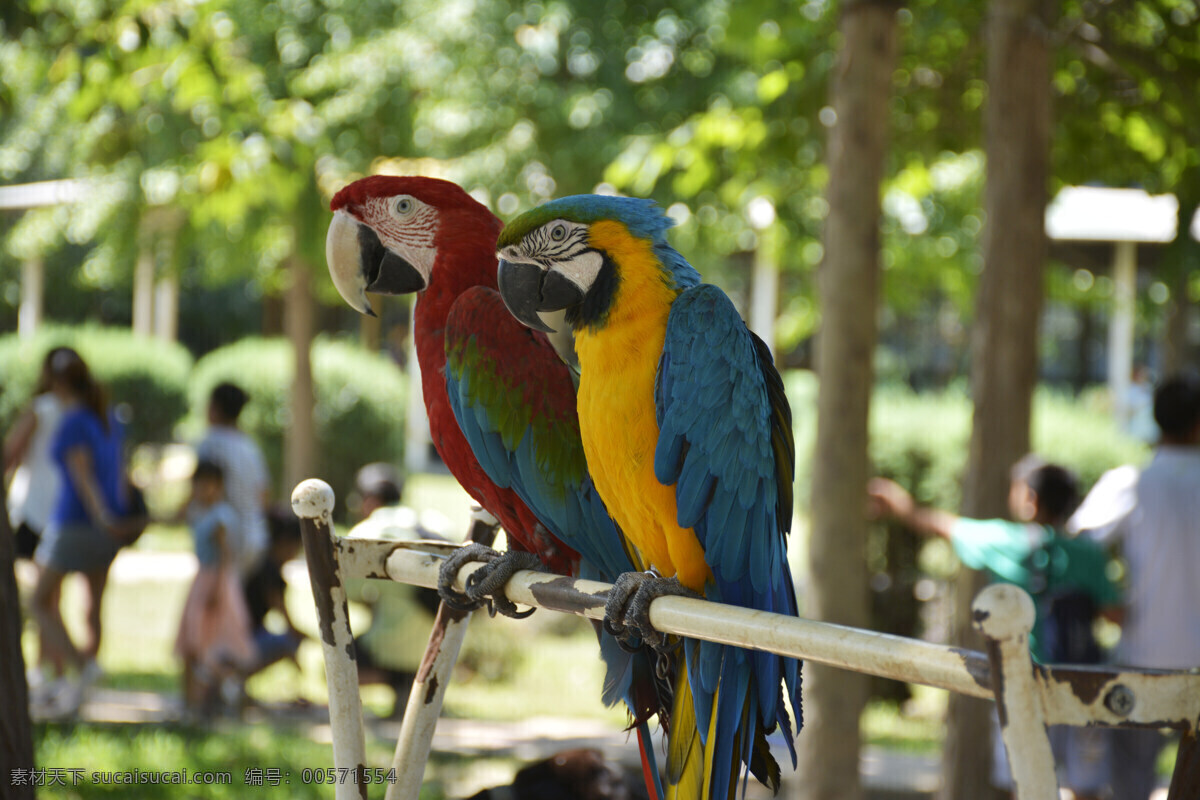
{"type": "Point", "coordinates": [360, 263]}
{"type": "Point", "coordinates": [343, 255]}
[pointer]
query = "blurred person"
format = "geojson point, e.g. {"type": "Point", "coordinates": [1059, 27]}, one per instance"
{"type": "Point", "coordinates": [214, 629]}
{"type": "Point", "coordinates": [266, 592]}
{"type": "Point", "coordinates": [1061, 573]}
{"type": "Point", "coordinates": [31, 496]}
{"type": "Point", "coordinates": [93, 515]}
{"type": "Point", "coordinates": [1152, 517]}
{"type": "Point", "coordinates": [1135, 410]}
{"type": "Point", "coordinates": [390, 650]}
{"type": "Point", "coordinates": [27, 458]}
{"type": "Point", "coordinates": [247, 483]}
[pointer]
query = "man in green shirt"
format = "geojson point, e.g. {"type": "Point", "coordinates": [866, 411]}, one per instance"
{"type": "Point", "coordinates": [1032, 552]}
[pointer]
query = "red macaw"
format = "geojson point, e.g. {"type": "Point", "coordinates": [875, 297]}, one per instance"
{"type": "Point", "coordinates": [501, 402]}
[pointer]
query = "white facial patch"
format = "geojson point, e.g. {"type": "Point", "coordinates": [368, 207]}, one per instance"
{"type": "Point", "coordinates": [562, 246]}
{"type": "Point", "coordinates": [407, 227]}
{"type": "Point", "coordinates": [582, 269]}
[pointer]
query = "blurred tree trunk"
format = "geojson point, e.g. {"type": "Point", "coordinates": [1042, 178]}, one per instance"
{"type": "Point", "coordinates": [16, 730]}
{"type": "Point", "coordinates": [143, 280]}
{"type": "Point", "coordinates": [166, 308]}
{"type": "Point", "coordinates": [1180, 261]}
{"type": "Point", "coordinates": [848, 286]}
{"type": "Point", "coordinates": [1004, 338]}
{"type": "Point", "coordinates": [299, 322]}
{"type": "Point", "coordinates": [166, 288]}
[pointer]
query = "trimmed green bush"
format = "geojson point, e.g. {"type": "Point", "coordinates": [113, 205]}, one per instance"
{"type": "Point", "coordinates": [921, 439]}
{"type": "Point", "coordinates": [360, 404]}
{"type": "Point", "coordinates": [146, 378]}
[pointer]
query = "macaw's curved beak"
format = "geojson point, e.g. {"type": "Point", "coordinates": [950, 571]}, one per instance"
{"type": "Point", "coordinates": [359, 263]}
{"type": "Point", "coordinates": [528, 289]}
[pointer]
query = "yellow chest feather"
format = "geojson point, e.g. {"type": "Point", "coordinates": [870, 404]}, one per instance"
{"type": "Point", "coordinates": [619, 362]}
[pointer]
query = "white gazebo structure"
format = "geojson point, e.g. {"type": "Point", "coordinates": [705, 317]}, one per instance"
{"type": "Point", "coordinates": [37, 195]}
{"type": "Point", "coordinates": [155, 295]}
{"type": "Point", "coordinates": [1125, 218]}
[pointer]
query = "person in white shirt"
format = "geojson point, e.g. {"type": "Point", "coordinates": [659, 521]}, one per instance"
{"type": "Point", "coordinates": [1153, 516]}
{"type": "Point", "coordinates": [31, 497]}
{"type": "Point", "coordinates": [34, 486]}
{"type": "Point", "coordinates": [247, 484]}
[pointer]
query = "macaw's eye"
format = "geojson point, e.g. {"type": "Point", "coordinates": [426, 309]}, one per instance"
{"type": "Point", "coordinates": [404, 205]}
{"type": "Point", "coordinates": [558, 232]}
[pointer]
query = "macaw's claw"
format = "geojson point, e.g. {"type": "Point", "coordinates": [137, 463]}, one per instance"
{"type": "Point", "coordinates": [487, 583]}
{"type": "Point", "coordinates": [468, 553]}
{"type": "Point", "coordinates": [627, 612]}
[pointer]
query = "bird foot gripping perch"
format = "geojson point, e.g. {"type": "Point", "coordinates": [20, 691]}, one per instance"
{"type": "Point", "coordinates": [627, 611]}
{"type": "Point", "coordinates": [485, 586]}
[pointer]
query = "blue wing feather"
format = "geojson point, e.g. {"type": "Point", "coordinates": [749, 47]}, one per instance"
{"type": "Point", "coordinates": [726, 445]}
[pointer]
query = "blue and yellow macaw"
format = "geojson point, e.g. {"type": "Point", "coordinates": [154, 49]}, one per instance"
{"type": "Point", "coordinates": [687, 434]}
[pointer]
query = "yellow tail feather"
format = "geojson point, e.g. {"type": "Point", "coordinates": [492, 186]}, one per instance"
{"type": "Point", "coordinates": [685, 775]}
{"type": "Point", "coordinates": [690, 759]}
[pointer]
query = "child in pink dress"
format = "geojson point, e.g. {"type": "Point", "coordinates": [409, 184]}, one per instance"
{"type": "Point", "coordinates": [214, 632]}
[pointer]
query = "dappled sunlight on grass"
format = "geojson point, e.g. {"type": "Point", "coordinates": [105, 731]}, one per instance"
{"type": "Point", "coordinates": [556, 675]}
{"type": "Point", "coordinates": [916, 726]}
{"type": "Point", "coordinates": [230, 749]}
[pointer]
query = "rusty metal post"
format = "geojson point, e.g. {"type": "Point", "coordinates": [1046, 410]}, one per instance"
{"type": "Point", "coordinates": [429, 687]}
{"type": "Point", "coordinates": [1004, 614]}
{"type": "Point", "coordinates": [312, 501]}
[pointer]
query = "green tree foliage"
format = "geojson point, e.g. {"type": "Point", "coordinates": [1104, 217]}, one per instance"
{"type": "Point", "coordinates": [245, 117]}
{"type": "Point", "coordinates": [1130, 112]}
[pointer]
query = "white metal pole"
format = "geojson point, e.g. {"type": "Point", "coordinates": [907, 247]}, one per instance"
{"type": "Point", "coordinates": [1120, 327]}
{"type": "Point", "coordinates": [424, 706]}
{"type": "Point", "coordinates": [312, 500]}
{"type": "Point", "coordinates": [764, 290]}
{"type": "Point", "coordinates": [1005, 615]}
{"type": "Point", "coordinates": [29, 317]}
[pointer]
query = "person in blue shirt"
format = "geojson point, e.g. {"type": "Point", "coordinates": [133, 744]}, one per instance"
{"type": "Point", "coordinates": [87, 525]}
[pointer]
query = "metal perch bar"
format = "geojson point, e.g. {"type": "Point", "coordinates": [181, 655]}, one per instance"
{"type": "Point", "coordinates": [1037, 694]}
{"type": "Point", "coordinates": [1070, 695]}
{"type": "Point", "coordinates": [875, 653]}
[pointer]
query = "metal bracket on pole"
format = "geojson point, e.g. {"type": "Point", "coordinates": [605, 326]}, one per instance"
{"type": "Point", "coordinates": [429, 687]}
{"type": "Point", "coordinates": [1005, 615]}
{"type": "Point", "coordinates": [312, 501]}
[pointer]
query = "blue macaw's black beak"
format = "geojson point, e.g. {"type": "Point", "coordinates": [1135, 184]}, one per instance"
{"type": "Point", "coordinates": [386, 272]}
{"type": "Point", "coordinates": [528, 289]}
